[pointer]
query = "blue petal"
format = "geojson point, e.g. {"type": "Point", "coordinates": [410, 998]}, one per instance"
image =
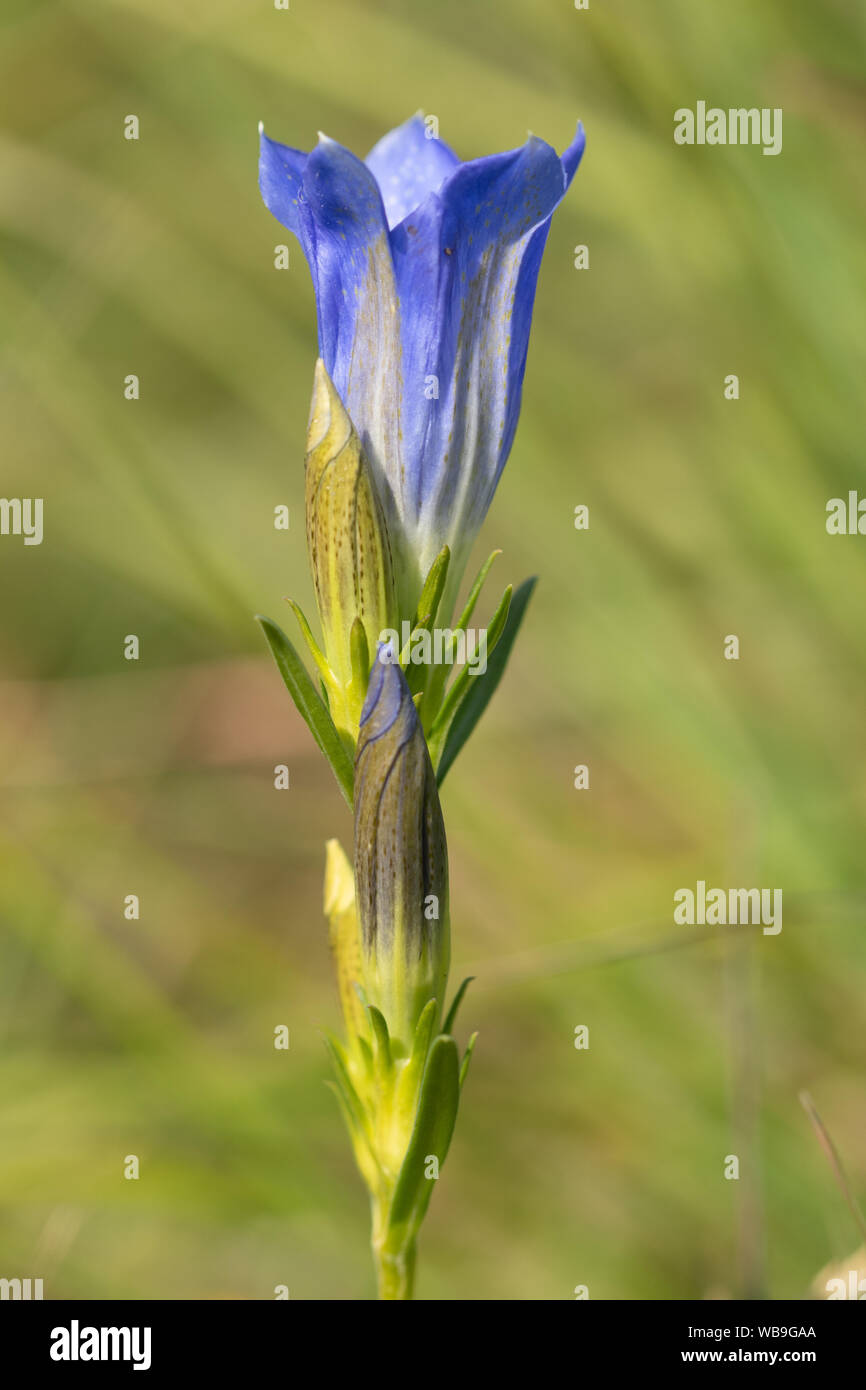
{"type": "Point", "coordinates": [573, 155]}
{"type": "Point", "coordinates": [345, 239]}
{"type": "Point", "coordinates": [407, 165]}
{"type": "Point", "coordinates": [281, 170]}
{"type": "Point", "coordinates": [387, 696]}
{"type": "Point", "coordinates": [467, 263]}
{"type": "Point", "coordinates": [332, 203]}
{"type": "Point", "coordinates": [440, 302]}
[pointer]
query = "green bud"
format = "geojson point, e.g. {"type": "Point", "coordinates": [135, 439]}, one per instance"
{"type": "Point", "coordinates": [350, 553]}
{"type": "Point", "coordinates": [344, 934]}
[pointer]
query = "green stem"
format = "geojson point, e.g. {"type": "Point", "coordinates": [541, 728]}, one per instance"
{"type": "Point", "coordinates": [395, 1271]}
{"type": "Point", "coordinates": [395, 1263]}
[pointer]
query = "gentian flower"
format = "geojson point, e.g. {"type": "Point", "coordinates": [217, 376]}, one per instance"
{"type": "Point", "coordinates": [425, 271]}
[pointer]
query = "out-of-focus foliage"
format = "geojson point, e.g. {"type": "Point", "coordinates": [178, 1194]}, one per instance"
{"type": "Point", "coordinates": [154, 1036]}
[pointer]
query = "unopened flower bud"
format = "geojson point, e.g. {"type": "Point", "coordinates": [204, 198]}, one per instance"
{"type": "Point", "coordinates": [350, 553]}
{"type": "Point", "coordinates": [401, 858]}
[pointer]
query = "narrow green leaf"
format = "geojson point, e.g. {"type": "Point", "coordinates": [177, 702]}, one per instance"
{"type": "Point", "coordinates": [354, 1105]}
{"type": "Point", "coordinates": [467, 1058]}
{"type": "Point", "coordinates": [361, 993]}
{"type": "Point", "coordinates": [424, 1031]}
{"type": "Point", "coordinates": [466, 679]}
{"type": "Point", "coordinates": [484, 686]}
{"type": "Point", "coordinates": [310, 705]}
{"type": "Point", "coordinates": [448, 1025]}
{"type": "Point", "coordinates": [409, 1084]}
{"type": "Point", "coordinates": [428, 603]}
{"type": "Point", "coordinates": [365, 1052]}
{"type": "Point", "coordinates": [438, 677]}
{"type": "Point", "coordinates": [431, 1136]}
{"type": "Point", "coordinates": [474, 592]}
{"type": "Point", "coordinates": [315, 650]}
{"type": "Point", "coordinates": [364, 1157]}
{"type": "Point", "coordinates": [381, 1040]}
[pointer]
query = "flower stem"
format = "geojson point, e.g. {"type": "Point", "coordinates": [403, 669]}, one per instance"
{"type": "Point", "coordinates": [395, 1271]}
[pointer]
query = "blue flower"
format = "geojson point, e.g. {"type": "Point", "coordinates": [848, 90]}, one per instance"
{"type": "Point", "coordinates": [425, 271]}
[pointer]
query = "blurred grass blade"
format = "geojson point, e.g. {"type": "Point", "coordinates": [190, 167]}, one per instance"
{"type": "Point", "coordinates": [310, 705]}
{"type": "Point", "coordinates": [835, 1161]}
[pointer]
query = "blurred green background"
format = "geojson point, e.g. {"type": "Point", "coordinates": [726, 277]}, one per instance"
{"type": "Point", "coordinates": [154, 1037]}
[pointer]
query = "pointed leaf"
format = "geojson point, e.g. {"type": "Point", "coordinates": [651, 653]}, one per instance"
{"type": "Point", "coordinates": [462, 685]}
{"type": "Point", "coordinates": [467, 1058]}
{"type": "Point", "coordinates": [366, 1054]}
{"type": "Point", "coordinates": [345, 1082]}
{"type": "Point", "coordinates": [381, 1040]}
{"type": "Point", "coordinates": [309, 705]}
{"type": "Point", "coordinates": [325, 671]}
{"type": "Point", "coordinates": [409, 1084]}
{"type": "Point", "coordinates": [448, 1025]}
{"type": "Point", "coordinates": [475, 591]}
{"type": "Point", "coordinates": [484, 686]}
{"type": "Point", "coordinates": [438, 677]}
{"type": "Point", "coordinates": [428, 603]}
{"type": "Point", "coordinates": [364, 1156]}
{"type": "Point", "coordinates": [431, 1136]}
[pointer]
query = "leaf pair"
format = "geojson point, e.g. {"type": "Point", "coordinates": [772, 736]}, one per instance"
{"type": "Point", "coordinates": [458, 715]}
{"type": "Point", "coordinates": [412, 1102]}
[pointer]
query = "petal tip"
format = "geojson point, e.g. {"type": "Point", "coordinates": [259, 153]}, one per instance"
{"type": "Point", "coordinates": [572, 156]}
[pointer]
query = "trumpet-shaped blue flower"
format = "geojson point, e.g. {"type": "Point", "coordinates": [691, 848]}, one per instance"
{"type": "Point", "coordinates": [425, 271]}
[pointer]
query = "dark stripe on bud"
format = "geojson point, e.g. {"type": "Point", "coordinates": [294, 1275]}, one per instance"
{"type": "Point", "coordinates": [401, 858]}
